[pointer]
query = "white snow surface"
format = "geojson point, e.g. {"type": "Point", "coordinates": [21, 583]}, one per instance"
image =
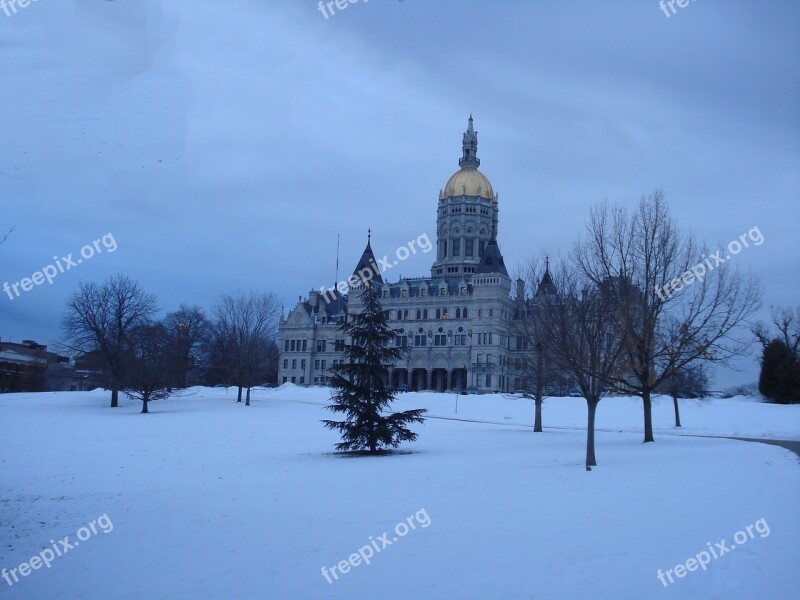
{"type": "Point", "coordinates": [212, 499]}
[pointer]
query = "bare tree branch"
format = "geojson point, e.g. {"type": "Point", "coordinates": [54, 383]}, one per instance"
{"type": "Point", "coordinates": [634, 257]}
{"type": "Point", "coordinates": [8, 233]}
{"type": "Point", "coordinates": [244, 327]}
{"type": "Point", "coordinates": [581, 329]}
{"type": "Point", "coordinates": [100, 318]}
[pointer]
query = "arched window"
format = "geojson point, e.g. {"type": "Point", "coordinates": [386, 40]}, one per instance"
{"type": "Point", "coordinates": [464, 312]}
{"type": "Point", "coordinates": [458, 313]}
{"type": "Point", "coordinates": [425, 314]}
{"type": "Point", "coordinates": [405, 315]}
{"type": "Point", "coordinates": [444, 313]}
{"type": "Point", "coordinates": [438, 313]}
{"type": "Point", "coordinates": [419, 314]}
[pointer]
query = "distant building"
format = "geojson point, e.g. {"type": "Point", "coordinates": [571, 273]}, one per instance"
{"type": "Point", "coordinates": [29, 367]}
{"type": "Point", "coordinates": [23, 367]}
{"type": "Point", "coordinates": [456, 325]}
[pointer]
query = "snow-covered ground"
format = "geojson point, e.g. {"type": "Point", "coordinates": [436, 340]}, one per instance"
{"type": "Point", "coordinates": [733, 417]}
{"type": "Point", "coordinates": [210, 499]}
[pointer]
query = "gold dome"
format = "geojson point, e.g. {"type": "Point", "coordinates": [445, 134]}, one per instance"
{"type": "Point", "coordinates": [468, 181]}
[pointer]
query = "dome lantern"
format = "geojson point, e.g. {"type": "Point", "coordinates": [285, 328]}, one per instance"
{"type": "Point", "coordinates": [468, 180]}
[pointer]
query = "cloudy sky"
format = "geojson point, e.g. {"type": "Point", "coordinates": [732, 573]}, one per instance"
{"type": "Point", "coordinates": [224, 145]}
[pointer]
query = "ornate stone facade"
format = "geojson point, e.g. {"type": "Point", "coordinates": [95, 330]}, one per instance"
{"type": "Point", "coordinates": [455, 325]}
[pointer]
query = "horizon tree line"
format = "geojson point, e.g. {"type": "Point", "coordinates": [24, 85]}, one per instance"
{"type": "Point", "coordinates": [148, 358]}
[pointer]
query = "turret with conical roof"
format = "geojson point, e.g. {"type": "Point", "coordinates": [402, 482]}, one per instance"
{"type": "Point", "coordinates": [367, 269]}
{"type": "Point", "coordinates": [546, 284]}
{"type": "Point", "coordinates": [492, 260]}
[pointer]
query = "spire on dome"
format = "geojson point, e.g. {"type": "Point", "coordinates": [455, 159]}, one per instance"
{"type": "Point", "coordinates": [470, 148]}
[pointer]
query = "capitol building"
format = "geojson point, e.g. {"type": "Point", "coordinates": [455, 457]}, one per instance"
{"type": "Point", "coordinates": [455, 326]}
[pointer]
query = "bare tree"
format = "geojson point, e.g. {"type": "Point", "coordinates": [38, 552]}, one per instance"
{"type": "Point", "coordinates": [786, 328]}
{"type": "Point", "coordinates": [217, 367]}
{"type": "Point", "coordinates": [537, 373]}
{"type": "Point", "coordinates": [687, 378]}
{"type": "Point", "coordinates": [188, 329]}
{"type": "Point", "coordinates": [582, 334]}
{"type": "Point", "coordinates": [100, 318]}
{"type": "Point", "coordinates": [148, 372]}
{"type": "Point", "coordinates": [273, 355]}
{"type": "Point", "coordinates": [226, 346]}
{"type": "Point", "coordinates": [640, 260]}
{"type": "Point", "coordinates": [244, 324]}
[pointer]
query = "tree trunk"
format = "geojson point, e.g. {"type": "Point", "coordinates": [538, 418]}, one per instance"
{"type": "Point", "coordinates": [591, 461]}
{"type": "Point", "coordinates": [372, 440]}
{"type": "Point", "coordinates": [114, 397]}
{"type": "Point", "coordinates": [144, 404]}
{"type": "Point", "coordinates": [677, 410]}
{"type": "Point", "coordinates": [184, 372]}
{"type": "Point", "coordinates": [239, 397]}
{"type": "Point", "coordinates": [247, 401]}
{"type": "Point", "coordinates": [539, 391]}
{"type": "Point", "coordinates": [648, 417]}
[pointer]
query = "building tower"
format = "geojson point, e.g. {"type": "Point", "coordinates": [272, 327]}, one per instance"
{"type": "Point", "coordinates": [466, 222]}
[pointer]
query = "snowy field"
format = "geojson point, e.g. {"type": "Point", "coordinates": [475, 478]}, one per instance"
{"type": "Point", "coordinates": [205, 498]}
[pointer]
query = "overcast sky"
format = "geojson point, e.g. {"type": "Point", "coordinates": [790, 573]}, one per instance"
{"type": "Point", "coordinates": [224, 145]}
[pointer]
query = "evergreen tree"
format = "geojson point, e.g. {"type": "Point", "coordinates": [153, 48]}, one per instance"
{"type": "Point", "coordinates": [361, 393]}
{"type": "Point", "coordinates": [779, 380]}
{"type": "Point", "coordinates": [780, 373]}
